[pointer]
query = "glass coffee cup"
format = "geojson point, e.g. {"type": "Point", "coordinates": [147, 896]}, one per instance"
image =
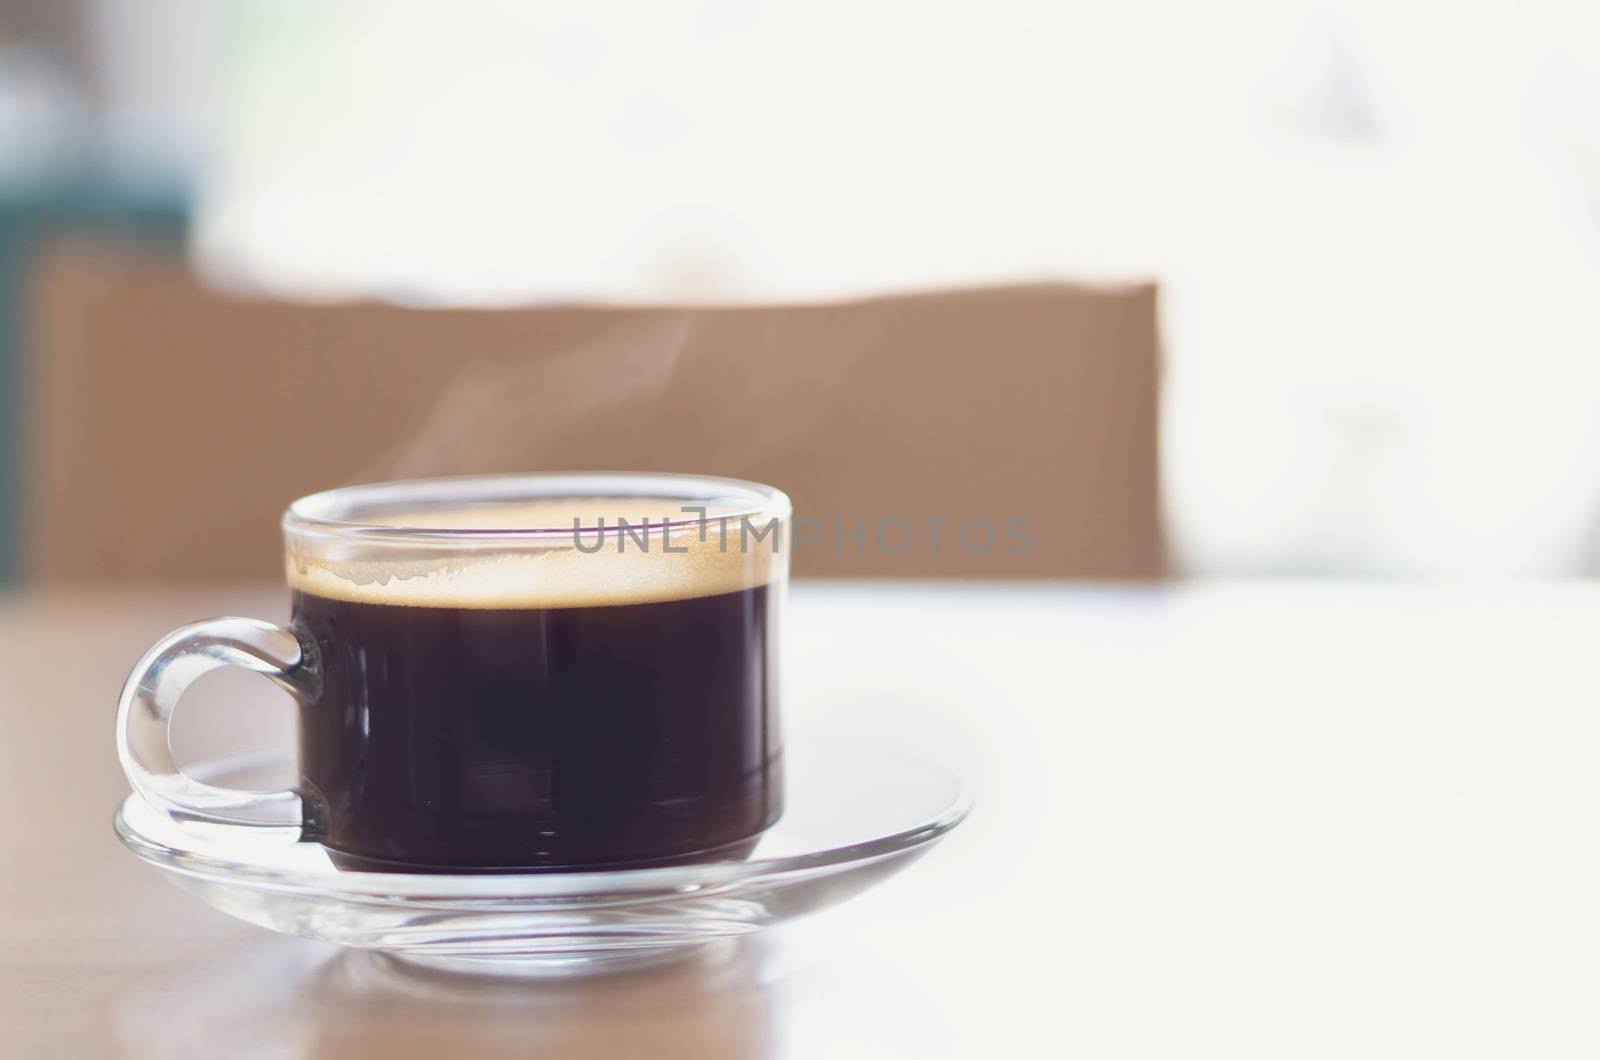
{"type": "Point", "coordinates": [507, 673]}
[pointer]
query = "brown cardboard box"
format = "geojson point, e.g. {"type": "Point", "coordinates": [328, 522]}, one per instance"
{"type": "Point", "coordinates": [171, 424]}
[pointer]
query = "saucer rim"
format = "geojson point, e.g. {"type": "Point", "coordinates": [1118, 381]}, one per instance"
{"type": "Point", "coordinates": [696, 879]}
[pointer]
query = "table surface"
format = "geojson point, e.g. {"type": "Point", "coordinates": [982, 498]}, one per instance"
{"type": "Point", "coordinates": [1234, 820]}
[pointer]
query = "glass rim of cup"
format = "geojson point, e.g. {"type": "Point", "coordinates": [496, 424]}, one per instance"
{"type": "Point", "coordinates": [338, 512]}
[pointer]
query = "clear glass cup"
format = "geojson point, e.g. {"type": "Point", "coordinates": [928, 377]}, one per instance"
{"type": "Point", "coordinates": [506, 673]}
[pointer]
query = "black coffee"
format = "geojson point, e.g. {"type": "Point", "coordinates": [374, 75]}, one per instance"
{"type": "Point", "coordinates": [451, 738]}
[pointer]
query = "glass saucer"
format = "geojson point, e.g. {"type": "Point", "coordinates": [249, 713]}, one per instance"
{"type": "Point", "coordinates": [854, 815]}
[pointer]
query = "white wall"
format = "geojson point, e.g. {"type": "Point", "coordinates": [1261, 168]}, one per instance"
{"type": "Point", "coordinates": [1376, 221]}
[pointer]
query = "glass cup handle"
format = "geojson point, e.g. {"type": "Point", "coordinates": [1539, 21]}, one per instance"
{"type": "Point", "coordinates": [152, 691]}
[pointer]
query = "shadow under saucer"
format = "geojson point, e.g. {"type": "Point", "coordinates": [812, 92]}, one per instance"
{"type": "Point", "coordinates": [283, 998]}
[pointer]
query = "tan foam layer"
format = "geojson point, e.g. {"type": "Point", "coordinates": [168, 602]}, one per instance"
{"type": "Point", "coordinates": [562, 576]}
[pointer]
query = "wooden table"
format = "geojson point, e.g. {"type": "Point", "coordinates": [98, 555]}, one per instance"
{"type": "Point", "coordinates": [1225, 820]}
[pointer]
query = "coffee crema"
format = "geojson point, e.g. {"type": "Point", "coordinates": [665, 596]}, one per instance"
{"type": "Point", "coordinates": [661, 555]}
{"type": "Point", "coordinates": [520, 709]}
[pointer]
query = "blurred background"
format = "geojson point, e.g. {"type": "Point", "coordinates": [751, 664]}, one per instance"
{"type": "Point", "coordinates": [1374, 225]}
